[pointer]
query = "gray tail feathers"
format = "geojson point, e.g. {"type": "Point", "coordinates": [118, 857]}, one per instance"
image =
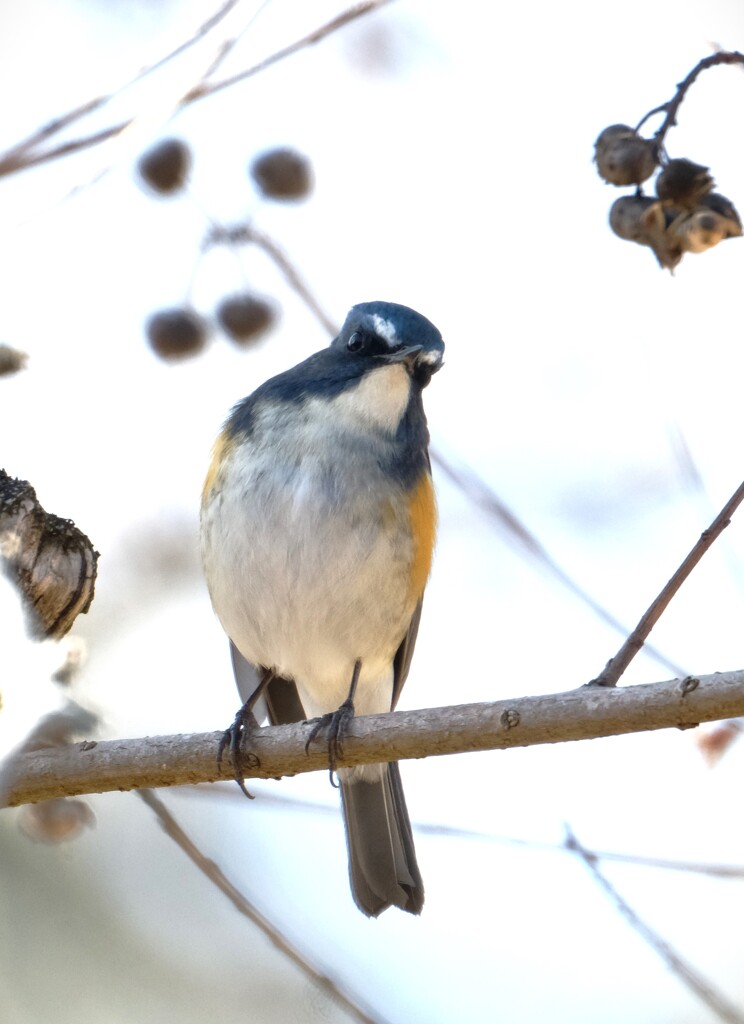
{"type": "Point", "coordinates": [382, 858]}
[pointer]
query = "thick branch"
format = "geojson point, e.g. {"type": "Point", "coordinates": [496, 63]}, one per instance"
{"type": "Point", "coordinates": [585, 713]}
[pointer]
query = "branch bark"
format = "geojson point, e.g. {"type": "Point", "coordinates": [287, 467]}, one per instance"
{"type": "Point", "coordinates": [585, 713]}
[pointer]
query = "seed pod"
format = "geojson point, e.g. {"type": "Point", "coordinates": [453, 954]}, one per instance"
{"type": "Point", "coordinates": [726, 209]}
{"type": "Point", "coordinates": [176, 333]}
{"type": "Point", "coordinates": [624, 157]}
{"type": "Point", "coordinates": [165, 166]}
{"type": "Point", "coordinates": [683, 184]}
{"type": "Point", "coordinates": [642, 219]}
{"type": "Point", "coordinates": [282, 174]}
{"type": "Point", "coordinates": [700, 230]}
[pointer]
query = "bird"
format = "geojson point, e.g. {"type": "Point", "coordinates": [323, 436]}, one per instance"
{"type": "Point", "coordinates": [318, 526]}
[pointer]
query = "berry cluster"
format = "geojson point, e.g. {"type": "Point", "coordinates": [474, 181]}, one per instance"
{"type": "Point", "coordinates": [685, 215]}
{"type": "Point", "coordinates": [179, 332]}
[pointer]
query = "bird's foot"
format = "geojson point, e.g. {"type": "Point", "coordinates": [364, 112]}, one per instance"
{"type": "Point", "coordinates": [337, 724]}
{"type": "Point", "coordinates": [243, 725]}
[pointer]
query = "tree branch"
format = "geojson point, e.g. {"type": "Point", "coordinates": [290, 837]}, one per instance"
{"type": "Point", "coordinates": [584, 713]}
{"type": "Point", "coordinates": [671, 107]}
{"type": "Point", "coordinates": [29, 153]}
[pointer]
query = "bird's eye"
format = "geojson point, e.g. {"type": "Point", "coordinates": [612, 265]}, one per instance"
{"type": "Point", "coordinates": [355, 342]}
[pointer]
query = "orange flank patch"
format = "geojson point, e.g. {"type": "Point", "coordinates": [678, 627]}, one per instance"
{"type": "Point", "coordinates": [220, 451]}
{"type": "Point", "coordinates": [422, 509]}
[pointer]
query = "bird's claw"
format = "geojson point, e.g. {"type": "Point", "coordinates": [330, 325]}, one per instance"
{"type": "Point", "coordinates": [244, 723]}
{"type": "Point", "coordinates": [337, 723]}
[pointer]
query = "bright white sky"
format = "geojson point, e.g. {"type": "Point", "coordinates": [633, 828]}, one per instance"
{"type": "Point", "coordinates": [457, 179]}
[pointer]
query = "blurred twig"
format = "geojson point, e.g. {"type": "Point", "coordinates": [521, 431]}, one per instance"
{"type": "Point", "coordinates": [217, 877]}
{"type": "Point", "coordinates": [617, 665]}
{"type": "Point", "coordinates": [283, 799]}
{"type": "Point", "coordinates": [29, 153]}
{"type": "Point", "coordinates": [247, 234]}
{"type": "Point", "coordinates": [481, 494]}
{"type": "Point", "coordinates": [687, 974]}
{"type": "Point", "coordinates": [584, 713]}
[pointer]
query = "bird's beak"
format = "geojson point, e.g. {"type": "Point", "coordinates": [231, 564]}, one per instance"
{"type": "Point", "coordinates": [416, 355]}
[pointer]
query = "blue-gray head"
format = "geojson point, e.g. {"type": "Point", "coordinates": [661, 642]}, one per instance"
{"type": "Point", "coordinates": [389, 332]}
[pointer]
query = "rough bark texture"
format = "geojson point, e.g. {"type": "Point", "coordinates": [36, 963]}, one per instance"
{"type": "Point", "coordinates": [585, 713]}
{"type": "Point", "coordinates": [51, 561]}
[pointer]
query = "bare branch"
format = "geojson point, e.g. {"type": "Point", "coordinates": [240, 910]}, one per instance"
{"type": "Point", "coordinates": [340, 21]}
{"type": "Point", "coordinates": [217, 877]}
{"type": "Point", "coordinates": [671, 107]}
{"type": "Point", "coordinates": [617, 665]}
{"type": "Point", "coordinates": [584, 713]}
{"type": "Point", "coordinates": [686, 973]}
{"type": "Point", "coordinates": [27, 154]}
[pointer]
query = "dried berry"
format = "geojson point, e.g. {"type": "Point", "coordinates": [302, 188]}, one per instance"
{"type": "Point", "coordinates": [643, 220]}
{"type": "Point", "coordinates": [245, 317]}
{"type": "Point", "coordinates": [165, 166]}
{"type": "Point", "coordinates": [723, 206]}
{"type": "Point", "coordinates": [683, 184]}
{"type": "Point", "coordinates": [176, 333]}
{"type": "Point", "coordinates": [701, 230]}
{"type": "Point", "coordinates": [624, 157]}
{"type": "Point", "coordinates": [282, 174]}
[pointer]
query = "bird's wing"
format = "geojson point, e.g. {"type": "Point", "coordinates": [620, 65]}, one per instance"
{"type": "Point", "coordinates": [402, 659]}
{"type": "Point", "coordinates": [280, 702]}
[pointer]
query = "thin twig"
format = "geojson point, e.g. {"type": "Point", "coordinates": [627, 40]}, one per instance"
{"type": "Point", "coordinates": [217, 877]}
{"type": "Point", "coordinates": [671, 107]}
{"type": "Point", "coordinates": [26, 154]}
{"type": "Point", "coordinates": [617, 665]}
{"type": "Point", "coordinates": [54, 127]}
{"type": "Point", "coordinates": [686, 973]}
{"type": "Point", "coordinates": [340, 21]}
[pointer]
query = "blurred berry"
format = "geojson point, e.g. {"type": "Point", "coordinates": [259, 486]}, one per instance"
{"type": "Point", "coordinates": [57, 820]}
{"type": "Point", "coordinates": [11, 360]}
{"type": "Point", "coordinates": [683, 183]}
{"type": "Point", "coordinates": [176, 333]}
{"type": "Point", "coordinates": [643, 220]}
{"type": "Point", "coordinates": [714, 742]}
{"type": "Point", "coordinates": [245, 317]}
{"type": "Point", "coordinates": [282, 174]}
{"type": "Point", "coordinates": [623, 157]}
{"type": "Point", "coordinates": [165, 166]}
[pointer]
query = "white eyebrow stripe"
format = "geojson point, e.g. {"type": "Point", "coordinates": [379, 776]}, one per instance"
{"type": "Point", "coordinates": [385, 329]}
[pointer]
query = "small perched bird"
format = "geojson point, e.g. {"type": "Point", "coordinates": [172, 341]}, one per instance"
{"type": "Point", "coordinates": [317, 531]}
